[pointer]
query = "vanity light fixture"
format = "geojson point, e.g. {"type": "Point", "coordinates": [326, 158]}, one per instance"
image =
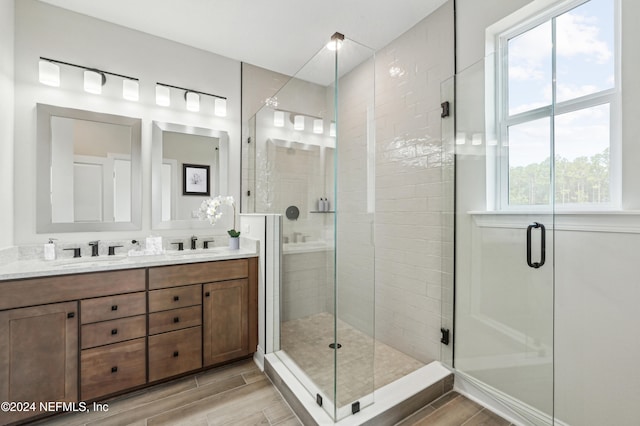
{"type": "Point", "coordinates": [192, 97]}
{"type": "Point", "coordinates": [49, 73]}
{"type": "Point", "coordinates": [278, 118]}
{"type": "Point", "coordinates": [318, 126]}
{"type": "Point", "coordinates": [193, 101]}
{"type": "Point", "coordinates": [163, 95]}
{"type": "Point", "coordinates": [298, 122]}
{"type": "Point", "coordinates": [94, 79]}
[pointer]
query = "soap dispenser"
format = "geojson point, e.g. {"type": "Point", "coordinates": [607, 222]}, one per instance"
{"type": "Point", "coordinates": [50, 250]}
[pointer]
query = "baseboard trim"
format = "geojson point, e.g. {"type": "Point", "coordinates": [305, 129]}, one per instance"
{"type": "Point", "coordinates": [507, 407]}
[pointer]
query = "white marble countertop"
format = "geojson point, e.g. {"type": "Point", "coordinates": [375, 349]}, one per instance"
{"type": "Point", "coordinates": [31, 268]}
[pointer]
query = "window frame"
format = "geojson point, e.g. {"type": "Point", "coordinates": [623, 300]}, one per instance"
{"type": "Point", "coordinates": [504, 120]}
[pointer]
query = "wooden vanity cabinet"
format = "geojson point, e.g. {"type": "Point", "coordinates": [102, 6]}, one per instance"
{"type": "Point", "coordinates": [226, 321]}
{"type": "Point", "coordinates": [113, 355]}
{"type": "Point", "coordinates": [230, 316]}
{"type": "Point", "coordinates": [79, 337]}
{"type": "Point", "coordinates": [229, 306]}
{"type": "Point", "coordinates": [175, 332]}
{"type": "Point", "coordinates": [38, 356]}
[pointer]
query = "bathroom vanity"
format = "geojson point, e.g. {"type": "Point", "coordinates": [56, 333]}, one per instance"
{"type": "Point", "coordinates": [81, 337]}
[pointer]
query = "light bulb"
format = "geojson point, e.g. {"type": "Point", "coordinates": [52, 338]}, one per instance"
{"type": "Point", "coordinates": [332, 130]}
{"type": "Point", "coordinates": [130, 90]}
{"type": "Point", "coordinates": [278, 118]}
{"type": "Point", "coordinates": [220, 107]}
{"type": "Point", "coordinates": [93, 81]}
{"type": "Point", "coordinates": [298, 122]}
{"type": "Point", "coordinates": [49, 73]}
{"type": "Point", "coordinates": [163, 95]}
{"type": "Point", "coordinates": [193, 101]}
{"type": "Point", "coordinates": [318, 126]}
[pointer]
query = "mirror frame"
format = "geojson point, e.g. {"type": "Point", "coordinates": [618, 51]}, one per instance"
{"type": "Point", "coordinates": [44, 222]}
{"type": "Point", "coordinates": [156, 172]}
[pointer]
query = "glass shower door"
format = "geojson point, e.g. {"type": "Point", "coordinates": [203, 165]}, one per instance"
{"type": "Point", "coordinates": [504, 255]}
{"type": "Point", "coordinates": [313, 162]}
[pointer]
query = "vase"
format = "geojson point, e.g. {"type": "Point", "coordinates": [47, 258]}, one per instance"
{"type": "Point", "coordinates": [234, 243]}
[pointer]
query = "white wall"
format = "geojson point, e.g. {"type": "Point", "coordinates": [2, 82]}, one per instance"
{"type": "Point", "coordinates": [410, 185]}
{"type": "Point", "coordinates": [6, 121]}
{"type": "Point", "coordinates": [47, 31]}
{"type": "Point", "coordinates": [594, 292]}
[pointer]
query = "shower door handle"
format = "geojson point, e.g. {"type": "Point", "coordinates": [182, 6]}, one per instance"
{"type": "Point", "coordinates": [536, 225]}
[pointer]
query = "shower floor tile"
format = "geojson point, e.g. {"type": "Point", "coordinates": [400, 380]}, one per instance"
{"type": "Point", "coordinates": [363, 364]}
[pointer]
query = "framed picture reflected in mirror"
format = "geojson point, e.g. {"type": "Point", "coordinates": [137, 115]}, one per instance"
{"type": "Point", "coordinates": [195, 180]}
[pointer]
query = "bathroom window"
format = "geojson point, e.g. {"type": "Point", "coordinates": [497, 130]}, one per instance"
{"type": "Point", "coordinates": [559, 90]}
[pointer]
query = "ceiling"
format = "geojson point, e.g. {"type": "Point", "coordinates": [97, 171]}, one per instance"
{"type": "Point", "coordinates": [280, 35]}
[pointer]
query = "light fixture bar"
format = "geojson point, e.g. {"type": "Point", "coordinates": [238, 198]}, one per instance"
{"type": "Point", "coordinates": [191, 90]}
{"type": "Point", "coordinates": [55, 61]}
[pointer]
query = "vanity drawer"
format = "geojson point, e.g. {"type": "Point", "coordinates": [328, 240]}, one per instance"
{"type": "Point", "coordinates": [175, 297]}
{"type": "Point", "coordinates": [112, 368]}
{"type": "Point", "coordinates": [175, 319]}
{"type": "Point", "coordinates": [112, 307]}
{"type": "Point", "coordinates": [107, 332]}
{"type": "Point", "coordinates": [175, 353]}
{"type": "Point", "coordinates": [197, 273]}
{"type": "Point", "coordinates": [41, 291]}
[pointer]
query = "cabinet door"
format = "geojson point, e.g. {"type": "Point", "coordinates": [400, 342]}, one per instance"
{"type": "Point", "coordinates": [225, 321]}
{"type": "Point", "coordinates": [38, 356]}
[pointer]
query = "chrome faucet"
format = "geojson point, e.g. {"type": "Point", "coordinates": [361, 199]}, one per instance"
{"type": "Point", "coordinates": [193, 242]}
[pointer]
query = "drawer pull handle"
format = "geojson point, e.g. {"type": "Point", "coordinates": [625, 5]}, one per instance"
{"type": "Point", "coordinates": [114, 307]}
{"type": "Point", "coordinates": [175, 354]}
{"type": "Point", "coordinates": [176, 320]}
{"type": "Point", "coordinates": [207, 294]}
{"type": "Point", "coordinates": [114, 331]}
{"type": "Point", "coordinates": [71, 315]}
{"type": "Point", "coordinates": [114, 369]}
{"type": "Point", "coordinates": [176, 298]}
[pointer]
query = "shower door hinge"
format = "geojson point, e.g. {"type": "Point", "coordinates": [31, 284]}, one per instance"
{"type": "Point", "coordinates": [355, 407]}
{"type": "Point", "coordinates": [249, 140]}
{"type": "Point", "coordinates": [445, 109]}
{"type": "Point", "coordinates": [445, 336]}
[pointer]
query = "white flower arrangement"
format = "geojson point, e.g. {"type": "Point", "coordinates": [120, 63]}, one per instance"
{"type": "Point", "coordinates": [210, 210]}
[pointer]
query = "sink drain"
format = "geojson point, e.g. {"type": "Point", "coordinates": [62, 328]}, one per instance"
{"type": "Point", "coordinates": [335, 345]}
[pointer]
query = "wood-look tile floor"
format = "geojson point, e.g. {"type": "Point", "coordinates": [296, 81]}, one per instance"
{"type": "Point", "coordinates": [453, 409]}
{"type": "Point", "coordinates": [237, 394]}
{"type": "Point", "coordinates": [240, 394]}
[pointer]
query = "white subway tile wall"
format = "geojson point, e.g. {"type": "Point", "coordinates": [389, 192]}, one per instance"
{"type": "Point", "coordinates": [413, 191]}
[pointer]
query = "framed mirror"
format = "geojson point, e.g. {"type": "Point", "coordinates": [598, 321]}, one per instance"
{"type": "Point", "coordinates": [189, 165]}
{"type": "Point", "coordinates": [88, 171]}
